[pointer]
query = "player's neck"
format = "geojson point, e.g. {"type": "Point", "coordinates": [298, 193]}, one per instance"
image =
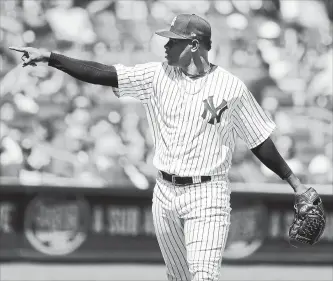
{"type": "Point", "coordinates": [197, 67]}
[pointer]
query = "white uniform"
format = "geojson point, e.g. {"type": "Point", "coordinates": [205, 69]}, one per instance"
{"type": "Point", "coordinates": [194, 123]}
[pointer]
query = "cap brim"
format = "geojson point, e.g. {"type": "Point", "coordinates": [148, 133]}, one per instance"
{"type": "Point", "coordinates": [169, 34]}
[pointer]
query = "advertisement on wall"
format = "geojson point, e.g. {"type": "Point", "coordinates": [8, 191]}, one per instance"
{"type": "Point", "coordinates": [58, 226]}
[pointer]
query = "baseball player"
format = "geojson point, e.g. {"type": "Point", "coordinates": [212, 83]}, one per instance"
{"type": "Point", "coordinates": [195, 111]}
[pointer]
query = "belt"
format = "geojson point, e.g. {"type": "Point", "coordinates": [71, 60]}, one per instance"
{"type": "Point", "coordinates": [183, 180]}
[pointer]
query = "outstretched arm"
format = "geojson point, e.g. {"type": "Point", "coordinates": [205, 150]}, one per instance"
{"type": "Point", "coordinates": [87, 71]}
{"type": "Point", "coordinates": [267, 153]}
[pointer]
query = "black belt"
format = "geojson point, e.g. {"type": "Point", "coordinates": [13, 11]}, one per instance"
{"type": "Point", "coordinates": [182, 180]}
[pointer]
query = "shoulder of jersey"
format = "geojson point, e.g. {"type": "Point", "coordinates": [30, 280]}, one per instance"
{"type": "Point", "coordinates": [230, 75]}
{"type": "Point", "coordinates": [150, 67]}
{"type": "Point", "coordinates": [158, 65]}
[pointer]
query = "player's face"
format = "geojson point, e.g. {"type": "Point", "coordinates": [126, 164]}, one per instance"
{"type": "Point", "coordinates": [178, 52]}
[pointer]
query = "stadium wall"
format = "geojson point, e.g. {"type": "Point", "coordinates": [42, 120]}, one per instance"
{"type": "Point", "coordinates": [76, 223]}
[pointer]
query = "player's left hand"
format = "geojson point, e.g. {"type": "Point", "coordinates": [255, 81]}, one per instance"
{"type": "Point", "coordinates": [300, 188]}
{"type": "Point", "coordinates": [309, 220]}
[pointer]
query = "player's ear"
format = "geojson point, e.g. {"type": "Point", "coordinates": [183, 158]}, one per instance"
{"type": "Point", "coordinates": [194, 45]}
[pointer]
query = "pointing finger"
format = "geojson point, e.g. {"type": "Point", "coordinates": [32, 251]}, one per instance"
{"type": "Point", "coordinates": [23, 50]}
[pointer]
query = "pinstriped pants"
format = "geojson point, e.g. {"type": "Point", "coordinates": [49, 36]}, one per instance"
{"type": "Point", "coordinates": [191, 224]}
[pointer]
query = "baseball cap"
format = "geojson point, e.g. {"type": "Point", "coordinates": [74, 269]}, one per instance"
{"type": "Point", "coordinates": [187, 26]}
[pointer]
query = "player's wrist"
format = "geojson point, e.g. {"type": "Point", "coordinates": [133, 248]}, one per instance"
{"type": "Point", "coordinates": [296, 184]}
{"type": "Point", "coordinates": [46, 56]}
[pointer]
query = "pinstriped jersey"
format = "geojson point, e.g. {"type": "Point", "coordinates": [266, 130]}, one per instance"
{"type": "Point", "coordinates": [194, 122]}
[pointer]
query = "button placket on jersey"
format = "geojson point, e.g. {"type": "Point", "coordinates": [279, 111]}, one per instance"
{"type": "Point", "coordinates": [178, 109]}
{"type": "Point", "coordinates": [186, 114]}
{"type": "Point", "coordinates": [186, 111]}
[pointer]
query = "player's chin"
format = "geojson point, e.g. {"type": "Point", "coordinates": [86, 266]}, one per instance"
{"type": "Point", "coordinates": [170, 62]}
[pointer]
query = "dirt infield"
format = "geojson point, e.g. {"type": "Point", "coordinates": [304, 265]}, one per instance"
{"type": "Point", "coordinates": [135, 272]}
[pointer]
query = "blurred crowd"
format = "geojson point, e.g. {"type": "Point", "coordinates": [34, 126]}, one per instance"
{"type": "Point", "coordinates": [55, 127]}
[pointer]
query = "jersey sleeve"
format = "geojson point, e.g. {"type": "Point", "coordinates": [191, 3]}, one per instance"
{"type": "Point", "coordinates": [250, 121]}
{"type": "Point", "coordinates": [135, 81]}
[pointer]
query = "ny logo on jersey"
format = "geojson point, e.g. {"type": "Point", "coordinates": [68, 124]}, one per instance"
{"type": "Point", "coordinates": [216, 112]}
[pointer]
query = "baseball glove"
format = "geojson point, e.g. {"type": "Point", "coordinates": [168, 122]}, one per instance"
{"type": "Point", "coordinates": [309, 220]}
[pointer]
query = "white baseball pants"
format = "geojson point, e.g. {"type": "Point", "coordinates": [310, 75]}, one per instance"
{"type": "Point", "coordinates": [192, 224]}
